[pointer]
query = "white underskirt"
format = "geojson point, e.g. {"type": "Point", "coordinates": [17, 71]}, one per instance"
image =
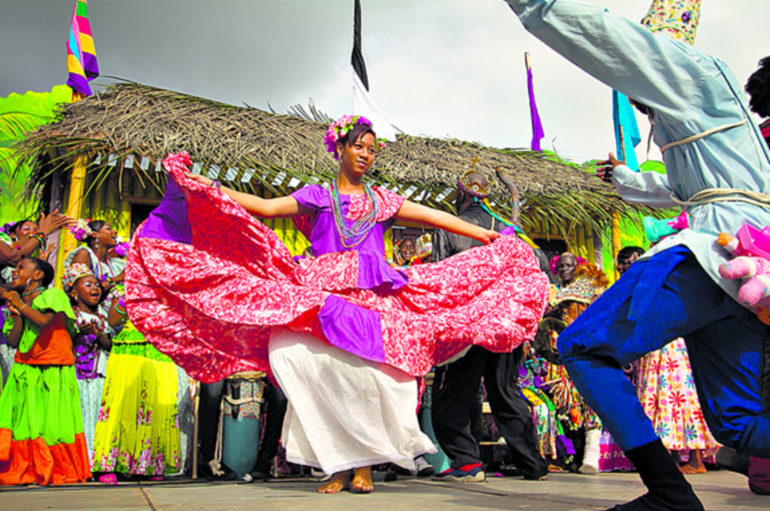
{"type": "Point", "coordinates": [344, 412]}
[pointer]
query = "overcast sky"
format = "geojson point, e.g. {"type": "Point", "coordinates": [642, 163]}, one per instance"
{"type": "Point", "coordinates": [440, 68]}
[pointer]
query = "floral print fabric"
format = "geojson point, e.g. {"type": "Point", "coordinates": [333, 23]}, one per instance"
{"type": "Point", "coordinates": [210, 305]}
{"type": "Point", "coordinates": [137, 428]}
{"type": "Point", "coordinates": [677, 18]}
{"type": "Point", "coordinates": [666, 389]}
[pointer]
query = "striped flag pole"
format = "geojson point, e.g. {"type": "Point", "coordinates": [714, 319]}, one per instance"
{"type": "Point", "coordinates": [82, 66]}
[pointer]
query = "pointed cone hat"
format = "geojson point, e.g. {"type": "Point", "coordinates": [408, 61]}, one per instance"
{"type": "Point", "coordinates": [678, 18]}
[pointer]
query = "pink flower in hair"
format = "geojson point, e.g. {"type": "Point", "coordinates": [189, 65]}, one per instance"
{"type": "Point", "coordinates": [341, 127]}
{"type": "Point", "coordinates": [81, 230]}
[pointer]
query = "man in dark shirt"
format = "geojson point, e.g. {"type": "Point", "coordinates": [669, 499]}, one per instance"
{"type": "Point", "coordinates": [456, 384]}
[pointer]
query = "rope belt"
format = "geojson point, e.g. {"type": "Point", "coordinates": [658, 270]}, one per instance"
{"type": "Point", "coordinates": [711, 195]}
{"type": "Point", "coordinates": [706, 133]}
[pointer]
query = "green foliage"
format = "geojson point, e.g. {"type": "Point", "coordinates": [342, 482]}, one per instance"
{"type": "Point", "coordinates": [653, 166]}
{"type": "Point", "coordinates": [19, 114]}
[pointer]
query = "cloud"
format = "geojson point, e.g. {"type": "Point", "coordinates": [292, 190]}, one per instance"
{"type": "Point", "coordinates": [443, 68]}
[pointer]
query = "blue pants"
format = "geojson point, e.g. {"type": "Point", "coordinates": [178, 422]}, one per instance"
{"type": "Point", "coordinates": [657, 300]}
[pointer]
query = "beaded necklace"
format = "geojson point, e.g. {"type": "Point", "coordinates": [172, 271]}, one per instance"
{"type": "Point", "coordinates": [352, 236]}
{"type": "Point", "coordinates": [32, 292]}
{"type": "Point", "coordinates": [86, 350]}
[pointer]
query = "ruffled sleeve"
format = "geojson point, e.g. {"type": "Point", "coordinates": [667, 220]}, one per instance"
{"type": "Point", "coordinates": [388, 204]}
{"type": "Point", "coordinates": [313, 197]}
{"type": "Point", "coordinates": [54, 300]}
{"type": "Point", "coordinates": [51, 300]}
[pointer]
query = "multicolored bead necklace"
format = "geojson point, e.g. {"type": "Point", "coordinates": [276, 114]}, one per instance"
{"type": "Point", "coordinates": [31, 292]}
{"type": "Point", "coordinates": [352, 236]}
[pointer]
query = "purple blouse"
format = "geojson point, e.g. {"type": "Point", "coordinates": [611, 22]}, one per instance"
{"type": "Point", "coordinates": [373, 269]}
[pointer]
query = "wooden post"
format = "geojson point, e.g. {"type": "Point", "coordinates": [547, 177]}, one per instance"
{"type": "Point", "coordinates": [67, 241]}
{"type": "Point", "coordinates": [57, 188]}
{"type": "Point", "coordinates": [616, 241]}
{"type": "Point", "coordinates": [589, 240]}
{"type": "Point", "coordinates": [196, 426]}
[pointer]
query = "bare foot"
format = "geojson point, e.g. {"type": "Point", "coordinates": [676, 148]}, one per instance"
{"type": "Point", "coordinates": [339, 481]}
{"type": "Point", "coordinates": [362, 480]}
{"type": "Point", "coordinates": [695, 464]}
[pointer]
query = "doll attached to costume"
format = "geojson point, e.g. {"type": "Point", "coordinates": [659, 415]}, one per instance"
{"type": "Point", "coordinates": [751, 251]}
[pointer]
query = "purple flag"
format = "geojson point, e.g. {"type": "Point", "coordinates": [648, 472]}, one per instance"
{"type": "Point", "coordinates": [537, 126]}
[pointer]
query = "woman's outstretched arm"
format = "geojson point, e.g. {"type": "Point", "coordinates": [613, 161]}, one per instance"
{"type": "Point", "coordinates": [414, 212]}
{"type": "Point", "coordinates": [285, 206]}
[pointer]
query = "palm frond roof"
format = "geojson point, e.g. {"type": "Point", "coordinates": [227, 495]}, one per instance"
{"type": "Point", "coordinates": [131, 127]}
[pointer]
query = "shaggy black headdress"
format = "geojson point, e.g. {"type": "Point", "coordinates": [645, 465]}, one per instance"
{"type": "Point", "coordinates": [758, 88]}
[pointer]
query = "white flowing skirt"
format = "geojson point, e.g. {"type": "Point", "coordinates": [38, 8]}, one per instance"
{"type": "Point", "coordinates": [344, 412]}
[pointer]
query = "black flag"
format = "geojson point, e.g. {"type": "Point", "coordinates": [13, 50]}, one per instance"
{"type": "Point", "coordinates": [363, 104]}
{"type": "Point", "coordinates": [357, 59]}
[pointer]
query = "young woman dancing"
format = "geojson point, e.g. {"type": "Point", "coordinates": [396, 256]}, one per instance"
{"type": "Point", "coordinates": [345, 333]}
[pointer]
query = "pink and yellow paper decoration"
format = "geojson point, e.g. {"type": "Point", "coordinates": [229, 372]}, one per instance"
{"type": "Point", "coordinates": [678, 18]}
{"type": "Point", "coordinates": [81, 53]}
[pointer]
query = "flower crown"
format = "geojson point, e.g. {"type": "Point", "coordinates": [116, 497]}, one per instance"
{"type": "Point", "coordinates": [81, 230]}
{"type": "Point", "coordinates": [341, 127]}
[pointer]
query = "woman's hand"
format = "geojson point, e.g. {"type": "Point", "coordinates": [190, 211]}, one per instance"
{"type": "Point", "coordinates": [47, 252]}
{"type": "Point", "coordinates": [12, 298]}
{"type": "Point", "coordinates": [205, 181]}
{"type": "Point", "coordinates": [506, 179]}
{"type": "Point", "coordinates": [92, 327]}
{"type": "Point", "coordinates": [88, 328]}
{"type": "Point", "coordinates": [54, 221]}
{"type": "Point", "coordinates": [487, 236]}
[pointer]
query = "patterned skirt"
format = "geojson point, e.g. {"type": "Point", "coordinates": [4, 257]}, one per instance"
{"type": "Point", "coordinates": [137, 429]}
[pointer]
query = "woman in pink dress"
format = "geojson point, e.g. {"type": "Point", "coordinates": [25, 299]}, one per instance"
{"type": "Point", "coordinates": [342, 332]}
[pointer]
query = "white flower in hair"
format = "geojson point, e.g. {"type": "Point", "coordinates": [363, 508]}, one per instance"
{"type": "Point", "coordinates": [81, 230]}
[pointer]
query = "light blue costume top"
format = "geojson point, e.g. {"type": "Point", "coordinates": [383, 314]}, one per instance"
{"type": "Point", "coordinates": [690, 93]}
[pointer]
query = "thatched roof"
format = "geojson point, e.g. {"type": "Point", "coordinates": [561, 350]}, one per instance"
{"type": "Point", "coordinates": [131, 127]}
